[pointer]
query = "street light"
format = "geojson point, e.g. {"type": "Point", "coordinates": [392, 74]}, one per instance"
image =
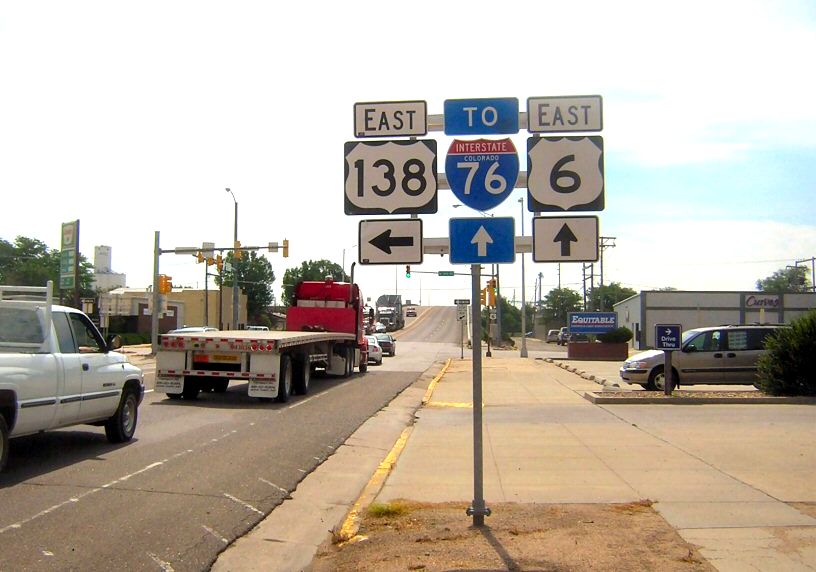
{"type": "Point", "coordinates": [523, 301]}
{"type": "Point", "coordinates": [235, 268]}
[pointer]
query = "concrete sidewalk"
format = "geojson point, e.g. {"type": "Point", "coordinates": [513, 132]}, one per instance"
{"type": "Point", "coordinates": [744, 502]}
{"type": "Point", "coordinates": [735, 480]}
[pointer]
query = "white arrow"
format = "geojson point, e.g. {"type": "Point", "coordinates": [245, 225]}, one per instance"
{"type": "Point", "coordinates": [668, 331]}
{"type": "Point", "coordinates": [481, 239]}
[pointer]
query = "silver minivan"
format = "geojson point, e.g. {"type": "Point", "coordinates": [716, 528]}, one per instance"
{"type": "Point", "coordinates": [716, 355]}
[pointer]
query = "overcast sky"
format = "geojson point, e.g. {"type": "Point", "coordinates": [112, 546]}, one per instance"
{"type": "Point", "coordinates": [134, 118]}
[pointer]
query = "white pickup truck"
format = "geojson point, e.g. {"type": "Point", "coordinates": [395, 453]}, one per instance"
{"type": "Point", "coordinates": [57, 370]}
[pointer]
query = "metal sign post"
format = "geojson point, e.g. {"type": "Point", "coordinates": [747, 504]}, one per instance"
{"type": "Point", "coordinates": [477, 509]}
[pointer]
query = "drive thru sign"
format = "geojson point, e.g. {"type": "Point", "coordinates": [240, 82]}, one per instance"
{"type": "Point", "coordinates": [668, 337]}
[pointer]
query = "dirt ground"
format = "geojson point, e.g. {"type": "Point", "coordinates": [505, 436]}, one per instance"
{"type": "Point", "coordinates": [405, 535]}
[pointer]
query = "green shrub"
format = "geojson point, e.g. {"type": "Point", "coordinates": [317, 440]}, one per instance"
{"type": "Point", "coordinates": [133, 339]}
{"type": "Point", "coordinates": [616, 336]}
{"type": "Point", "coordinates": [789, 365]}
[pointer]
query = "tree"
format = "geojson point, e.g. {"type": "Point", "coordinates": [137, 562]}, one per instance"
{"type": "Point", "coordinates": [29, 262]}
{"type": "Point", "coordinates": [255, 277]}
{"type": "Point", "coordinates": [788, 279]}
{"type": "Point", "coordinates": [602, 298]}
{"type": "Point", "coordinates": [557, 305]}
{"type": "Point", "coordinates": [316, 270]}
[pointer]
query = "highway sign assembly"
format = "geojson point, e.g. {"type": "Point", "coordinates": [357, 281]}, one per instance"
{"type": "Point", "coordinates": [482, 116]}
{"type": "Point", "coordinates": [390, 177]}
{"type": "Point", "coordinates": [668, 337]}
{"type": "Point", "coordinates": [482, 173]}
{"type": "Point", "coordinates": [391, 119]}
{"type": "Point", "coordinates": [565, 174]}
{"type": "Point", "coordinates": [482, 240]}
{"type": "Point", "coordinates": [390, 241]}
{"type": "Point", "coordinates": [564, 113]}
{"type": "Point", "coordinates": [565, 239]}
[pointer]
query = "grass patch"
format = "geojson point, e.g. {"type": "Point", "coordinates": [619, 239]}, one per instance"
{"type": "Point", "coordinates": [388, 509]}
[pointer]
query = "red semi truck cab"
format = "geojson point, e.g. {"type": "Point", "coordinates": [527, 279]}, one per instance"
{"type": "Point", "coordinates": [328, 306]}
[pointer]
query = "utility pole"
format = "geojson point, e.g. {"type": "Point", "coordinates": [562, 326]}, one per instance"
{"type": "Point", "coordinates": [812, 261]}
{"type": "Point", "coordinates": [606, 242]}
{"type": "Point", "coordinates": [235, 255]}
{"type": "Point", "coordinates": [591, 268]}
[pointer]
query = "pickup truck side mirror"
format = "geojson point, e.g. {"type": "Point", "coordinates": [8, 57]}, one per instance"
{"type": "Point", "coordinates": [114, 342]}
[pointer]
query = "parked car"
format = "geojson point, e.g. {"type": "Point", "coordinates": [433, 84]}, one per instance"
{"type": "Point", "coordinates": [713, 355]}
{"type": "Point", "coordinates": [193, 330]}
{"type": "Point", "coordinates": [388, 343]}
{"type": "Point", "coordinates": [410, 312]}
{"type": "Point", "coordinates": [375, 352]}
{"type": "Point", "coordinates": [552, 337]}
{"type": "Point", "coordinates": [563, 336]}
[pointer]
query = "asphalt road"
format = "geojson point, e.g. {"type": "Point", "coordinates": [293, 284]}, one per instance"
{"type": "Point", "coordinates": [197, 475]}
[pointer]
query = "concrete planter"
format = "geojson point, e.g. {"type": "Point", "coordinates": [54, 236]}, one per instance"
{"type": "Point", "coordinates": [595, 351]}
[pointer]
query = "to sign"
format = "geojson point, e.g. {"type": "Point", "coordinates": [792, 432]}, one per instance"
{"type": "Point", "coordinates": [565, 174]}
{"type": "Point", "coordinates": [561, 114]}
{"type": "Point", "coordinates": [668, 337]}
{"type": "Point", "coordinates": [482, 173]}
{"type": "Point", "coordinates": [391, 119]}
{"type": "Point", "coordinates": [482, 240]}
{"type": "Point", "coordinates": [390, 241]}
{"type": "Point", "coordinates": [565, 239]}
{"type": "Point", "coordinates": [387, 177]}
{"type": "Point", "coordinates": [485, 116]}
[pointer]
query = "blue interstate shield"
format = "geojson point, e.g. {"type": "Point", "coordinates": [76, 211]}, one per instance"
{"type": "Point", "coordinates": [482, 173]}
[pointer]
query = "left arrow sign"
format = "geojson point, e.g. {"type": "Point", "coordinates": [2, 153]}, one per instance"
{"type": "Point", "coordinates": [390, 241]}
{"type": "Point", "coordinates": [385, 241]}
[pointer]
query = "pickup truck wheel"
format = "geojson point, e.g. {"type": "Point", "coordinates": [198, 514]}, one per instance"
{"type": "Point", "coordinates": [4, 442]}
{"type": "Point", "coordinates": [285, 384]}
{"type": "Point", "coordinates": [122, 425]}
{"type": "Point", "coordinates": [363, 367]}
{"type": "Point", "coordinates": [303, 375]}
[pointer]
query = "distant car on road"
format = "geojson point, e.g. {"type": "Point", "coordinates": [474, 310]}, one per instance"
{"type": "Point", "coordinates": [375, 352]}
{"type": "Point", "coordinates": [388, 343]}
{"type": "Point", "coordinates": [379, 327]}
{"type": "Point", "coordinates": [552, 337]}
{"type": "Point", "coordinates": [257, 328]}
{"type": "Point", "coordinates": [410, 313]}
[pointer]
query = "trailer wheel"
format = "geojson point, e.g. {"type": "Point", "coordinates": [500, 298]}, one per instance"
{"type": "Point", "coordinates": [191, 389]}
{"type": "Point", "coordinates": [285, 383]}
{"type": "Point", "coordinates": [302, 374]}
{"type": "Point", "coordinates": [220, 385]}
{"type": "Point", "coordinates": [173, 395]}
{"type": "Point", "coordinates": [349, 361]}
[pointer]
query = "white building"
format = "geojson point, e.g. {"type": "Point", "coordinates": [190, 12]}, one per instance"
{"type": "Point", "coordinates": [104, 278]}
{"type": "Point", "coordinates": [642, 311]}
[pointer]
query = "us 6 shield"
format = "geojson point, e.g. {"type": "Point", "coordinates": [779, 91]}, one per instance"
{"type": "Point", "coordinates": [390, 177]}
{"type": "Point", "coordinates": [565, 174]}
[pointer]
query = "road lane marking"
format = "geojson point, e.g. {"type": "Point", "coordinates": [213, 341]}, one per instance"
{"type": "Point", "coordinates": [215, 534]}
{"type": "Point", "coordinates": [243, 503]}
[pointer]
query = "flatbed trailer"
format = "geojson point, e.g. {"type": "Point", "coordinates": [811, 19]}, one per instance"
{"type": "Point", "coordinates": [275, 364]}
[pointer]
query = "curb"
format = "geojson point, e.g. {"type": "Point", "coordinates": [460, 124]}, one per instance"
{"type": "Point", "coordinates": [586, 375]}
{"type": "Point", "coordinates": [601, 399]}
{"type": "Point", "coordinates": [351, 524]}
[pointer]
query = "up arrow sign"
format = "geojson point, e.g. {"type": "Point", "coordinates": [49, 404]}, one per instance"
{"type": "Point", "coordinates": [481, 239]}
{"type": "Point", "coordinates": [565, 236]}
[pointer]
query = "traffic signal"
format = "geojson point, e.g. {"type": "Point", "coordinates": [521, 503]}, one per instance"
{"type": "Point", "coordinates": [210, 261]}
{"type": "Point", "coordinates": [491, 297]}
{"type": "Point", "coordinates": [165, 284]}
{"type": "Point", "coordinates": [407, 270]}
{"type": "Point", "coordinates": [219, 263]}
{"type": "Point", "coordinates": [200, 257]}
{"type": "Point", "coordinates": [483, 296]}
{"type": "Point", "coordinates": [286, 248]}
{"type": "Point", "coordinates": [237, 251]}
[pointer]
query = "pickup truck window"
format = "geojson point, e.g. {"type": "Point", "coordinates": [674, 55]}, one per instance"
{"type": "Point", "coordinates": [20, 325]}
{"type": "Point", "coordinates": [64, 335]}
{"type": "Point", "coordinates": [86, 335]}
